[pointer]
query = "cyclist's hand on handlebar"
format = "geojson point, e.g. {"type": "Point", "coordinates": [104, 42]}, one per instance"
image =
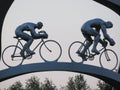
{"type": "Point", "coordinates": [42, 32]}
{"type": "Point", "coordinates": [112, 42]}
{"type": "Point", "coordinates": [105, 43]}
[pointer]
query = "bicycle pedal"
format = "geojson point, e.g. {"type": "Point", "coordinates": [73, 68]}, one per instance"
{"type": "Point", "coordinates": [85, 59]}
{"type": "Point", "coordinates": [24, 57]}
{"type": "Point", "coordinates": [108, 59]}
{"type": "Point", "coordinates": [29, 56]}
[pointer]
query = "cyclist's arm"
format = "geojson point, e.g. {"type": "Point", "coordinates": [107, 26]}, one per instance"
{"type": "Point", "coordinates": [32, 31]}
{"type": "Point", "coordinates": [106, 36]}
{"type": "Point", "coordinates": [34, 34]}
{"type": "Point", "coordinates": [101, 41]}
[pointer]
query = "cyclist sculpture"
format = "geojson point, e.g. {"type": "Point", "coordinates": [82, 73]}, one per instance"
{"type": "Point", "coordinates": [49, 50]}
{"type": "Point", "coordinates": [20, 32]}
{"type": "Point", "coordinates": [92, 28]}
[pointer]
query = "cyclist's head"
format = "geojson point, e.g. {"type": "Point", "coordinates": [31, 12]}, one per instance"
{"type": "Point", "coordinates": [109, 24]}
{"type": "Point", "coordinates": [39, 25]}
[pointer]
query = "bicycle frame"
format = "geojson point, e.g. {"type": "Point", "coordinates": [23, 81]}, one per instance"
{"type": "Point", "coordinates": [93, 54]}
{"type": "Point", "coordinates": [19, 42]}
{"type": "Point", "coordinates": [103, 48]}
{"type": "Point", "coordinates": [106, 56]}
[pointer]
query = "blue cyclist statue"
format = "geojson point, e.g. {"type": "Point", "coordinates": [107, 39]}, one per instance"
{"type": "Point", "coordinates": [30, 27]}
{"type": "Point", "coordinates": [92, 28]}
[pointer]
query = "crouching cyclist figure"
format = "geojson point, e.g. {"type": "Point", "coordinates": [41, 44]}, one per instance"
{"type": "Point", "coordinates": [92, 28]}
{"type": "Point", "coordinates": [21, 32]}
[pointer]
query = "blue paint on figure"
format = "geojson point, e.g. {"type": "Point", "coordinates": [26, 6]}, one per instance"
{"type": "Point", "coordinates": [92, 28]}
{"type": "Point", "coordinates": [30, 27]}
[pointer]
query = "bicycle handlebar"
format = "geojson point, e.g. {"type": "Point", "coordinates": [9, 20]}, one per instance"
{"type": "Point", "coordinates": [42, 31]}
{"type": "Point", "coordinates": [105, 43]}
{"type": "Point", "coordinates": [43, 34]}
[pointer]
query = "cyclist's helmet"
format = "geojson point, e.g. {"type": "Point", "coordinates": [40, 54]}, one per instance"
{"type": "Point", "coordinates": [109, 24]}
{"type": "Point", "coordinates": [39, 25]}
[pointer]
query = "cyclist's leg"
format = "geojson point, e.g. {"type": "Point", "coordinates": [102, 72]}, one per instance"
{"type": "Point", "coordinates": [103, 42]}
{"type": "Point", "coordinates": [29, 41]}
{"type": "Point", "coordinates": [91, 32]}
{"type": "Point", "coordinates": [88, 42]}
{"type": "Point", "coordinates": [87, 45]}
{"type": "Point", "coordinates": [96, 40]}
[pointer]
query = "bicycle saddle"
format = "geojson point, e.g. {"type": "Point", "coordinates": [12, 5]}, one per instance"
{"type": "Point", "coordinates": [16, 37]}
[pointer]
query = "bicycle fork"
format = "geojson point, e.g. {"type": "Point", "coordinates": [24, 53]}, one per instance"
{"type": "Point", "coordinates": [46, 47]}
{"type": "Point", "coordinates": [106, 55]}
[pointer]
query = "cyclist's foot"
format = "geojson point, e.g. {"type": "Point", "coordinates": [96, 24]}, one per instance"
{"type": "Point", "coordinates": [22, 54]}
{"type": "Point", "coordinates": [82, 55]}
{"type": "Point", "coordinates": [105, 43]}
{"type": "Point", "coordinates": [78, 52]}
{"type": "Point", "coordinates": [95, 51]}
{"type": "Point", "coordinates": [31, 53]}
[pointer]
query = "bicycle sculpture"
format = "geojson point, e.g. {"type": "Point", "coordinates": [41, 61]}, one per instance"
{"type": "Point", "coordinates": [49, 51]}
{"type": "Point", "coordinates": [107, 58]}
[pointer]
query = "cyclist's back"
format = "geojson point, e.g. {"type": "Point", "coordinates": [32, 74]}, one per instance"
{"type": "Point", "coordinates": [92, 23]}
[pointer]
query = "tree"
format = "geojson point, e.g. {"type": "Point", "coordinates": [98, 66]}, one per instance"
{"type": "Point", "coordinates": [33, 84]}
{"type": "Point", "coordinates": [16, 86]}
{"type": "Point", "coordinates": [63, 88]}
{"type": "Point", "coordinates": [48, 85]}
{"type": "Point", "coordinates": [77, 83]}
{"type": "Point", "coordinates": [71, 84]}
{"type": "Point", "coordinates": [103, 86]}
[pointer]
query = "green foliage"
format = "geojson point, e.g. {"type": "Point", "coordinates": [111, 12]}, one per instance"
{"type": "Point", "coordinates": [71, 84]}
{"type": "Point", "coordinates": [16, 86]}
{"type": "Point", "coordinates": [33, 84]}
{"type": "Point", "coordinates": [48, 85]}
{"type": "Point", "coordinates": [77, 83]}
{"type": "Point", "coordinates": [103, 86]}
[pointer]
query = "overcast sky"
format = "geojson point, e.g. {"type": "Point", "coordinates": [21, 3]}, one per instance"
{"type": "Point", "coordinates": [62, 21]}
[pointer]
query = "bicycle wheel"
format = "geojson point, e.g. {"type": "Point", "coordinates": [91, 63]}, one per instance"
{"type": "Point", "coordinates": [50, 51]}
{"type": "Point", "coordinates": [11, 56]}
{"type": "Point", "coordinates": [108, 59]}
{"type": "Point", "coordinates": [73, 48]}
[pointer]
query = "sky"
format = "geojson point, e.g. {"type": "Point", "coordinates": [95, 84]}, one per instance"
{"type": "Point", "coordinates": [62, 20]}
